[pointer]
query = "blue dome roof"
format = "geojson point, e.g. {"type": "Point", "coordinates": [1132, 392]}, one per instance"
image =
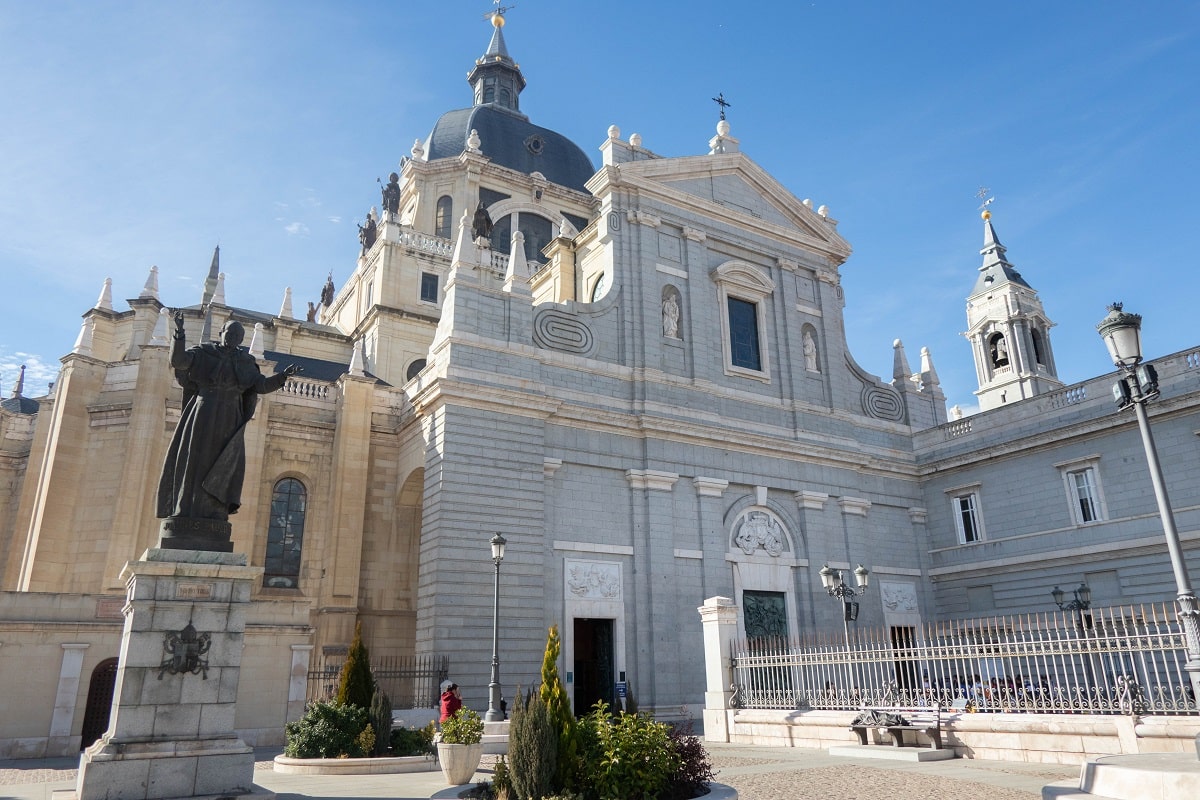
{"type": "Point", "coordinates": [512, 141]}
{"type": "Point", "coordinates": [506, 135]}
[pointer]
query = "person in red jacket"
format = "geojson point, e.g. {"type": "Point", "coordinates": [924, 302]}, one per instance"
{"type": "Point", "coordinates": [451, 702]}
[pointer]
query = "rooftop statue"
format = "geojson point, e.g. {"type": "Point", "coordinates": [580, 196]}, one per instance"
{"type": "Point", "coordinates": [201, 483]}
{"type": "Point", "coordinates": [391, 195]}
{"type": "Point", "coordinates": [481, 225]}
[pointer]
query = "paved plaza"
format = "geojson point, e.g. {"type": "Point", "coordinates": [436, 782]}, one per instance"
{"type": "Point", "coordinates": [758, 773]}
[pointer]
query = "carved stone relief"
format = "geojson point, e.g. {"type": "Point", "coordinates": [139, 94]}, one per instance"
{"type": "Point", "coordinates": [757, 529]}
{"type": "Point", "coordinates": [898, 597]}
{"type": "Point", "coordinates": [593, 580]}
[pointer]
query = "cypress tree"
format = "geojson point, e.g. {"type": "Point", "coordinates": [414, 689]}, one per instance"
{"type": "Point", "coordinates": [558, 707]}
{"type": "Point", "coordinates": [381, 721]}
{"type": "Point", "coordinates": [532, 746]}
{"type": "Point", "coordinates": [356, 684]}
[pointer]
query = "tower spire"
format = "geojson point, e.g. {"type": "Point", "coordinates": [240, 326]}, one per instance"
{"type": "Point", "coordinates": [1008, 328]}
{"type": "Point", "coordinates": [496, 78]}
{"type": "Point", "coordinates": [210, 283]}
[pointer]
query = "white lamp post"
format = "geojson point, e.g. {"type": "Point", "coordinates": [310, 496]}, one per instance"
{"type": "Point", "coordinates": [1137, 385]}
{"type": "Point", "coordinates": [494, 714]}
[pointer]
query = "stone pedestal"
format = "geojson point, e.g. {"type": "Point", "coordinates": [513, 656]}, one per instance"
{"type": "Point", "coordinates": [170, 732]}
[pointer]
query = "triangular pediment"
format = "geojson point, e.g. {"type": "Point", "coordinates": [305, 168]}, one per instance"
{"type": "Point", "coordinates": [735, 184]}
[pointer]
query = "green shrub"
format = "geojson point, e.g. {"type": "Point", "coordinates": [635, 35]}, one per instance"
{"type": "Point", "coordinates": [694, 771]}
{"type": "Point", "coordinates": [532, 749]}
{"type": "Point", "coordinates": [381, 722]}
{"type": "Point", "coordinates": [627, 756]}
{"type": "Point", "coordinates": [502, 780]}
{"type": "Point", "coordinates": [413, 741]}
{"type": "Point", "coordinates": [366, 740]}
{"type": "Point", "coordinates": [558, 706]}
{"type": "Point", "coordinates": [465, 727]}
{"type": "Point", "coordinates": [327, 730]}
{"type": "Point", "coordinates": [356, 685]}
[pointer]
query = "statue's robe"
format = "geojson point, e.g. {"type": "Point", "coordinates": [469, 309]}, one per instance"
{"type": "Point", "coordinates": [206, 463]}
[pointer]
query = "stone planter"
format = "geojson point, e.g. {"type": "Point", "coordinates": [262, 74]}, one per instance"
{"type": "Point", "coordinates": [459, 761]}
{"type": "Point", "coordinates": [386, 765]}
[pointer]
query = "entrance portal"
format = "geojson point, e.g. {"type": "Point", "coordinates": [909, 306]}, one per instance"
{"type": "Point", "coordinates": [594, 669]}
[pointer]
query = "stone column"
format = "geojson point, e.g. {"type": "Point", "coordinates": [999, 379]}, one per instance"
{"type": "Point", "coordinates": [719, 618]}
{"type": "Point", "coordinates": [171, 734]}
{"type": "Point", "coordinates": [60, 742]}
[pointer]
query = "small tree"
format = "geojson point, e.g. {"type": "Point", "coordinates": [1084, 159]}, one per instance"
{"type": "Point", "coordinates": [558, 707]}
{"type": "Point", "coordinates": [532, 749]}
{"type": "Point", "coordinates": [356, 685]}
{"type": "Point", "coordinates": [381, 721]}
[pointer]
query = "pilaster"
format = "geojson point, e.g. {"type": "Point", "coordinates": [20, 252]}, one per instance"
{"type": "Point", "coordinates": [133, 525]}
{"type": "Point", "coordinates": [48, 522]}
{"type": "Point", "coordinates": [653, 552]}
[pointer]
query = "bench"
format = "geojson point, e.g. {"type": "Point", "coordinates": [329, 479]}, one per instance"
{"type": "Point", "coordinates": [898, 719]}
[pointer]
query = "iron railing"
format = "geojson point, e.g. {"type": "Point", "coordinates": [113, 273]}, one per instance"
{"type": "Point", "coordinates": [1115, 660]}
{"type": "Point", "coordinates": [410, 681]}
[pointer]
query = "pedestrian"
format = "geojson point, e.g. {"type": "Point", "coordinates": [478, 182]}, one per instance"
{"type": "Point", "coordinates": [451, 702]}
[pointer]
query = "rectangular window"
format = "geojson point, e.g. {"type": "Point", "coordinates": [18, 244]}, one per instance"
{"type": "Point", "coordinates": [1083, 492]}
{"type": "Point", "coordinates": [429, 287]}
{"type": "Point", "coordinates": [743, 334]}
{"type": "Point", "coordinates": [967, 518]}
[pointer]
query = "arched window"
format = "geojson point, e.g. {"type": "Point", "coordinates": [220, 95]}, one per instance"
{"type": "Point", "coordinates": [445, 217]}
{"type": "Point", "coordinates": [285, 538]}
{"type": "Point", "coordinates": [489, 94]}
{"type": "Point", "coordinates": [1038, 355]}
{"type": "Point", "coordinates": [998, 350]}
{"type": "Point", "coordinates": [415, 368]}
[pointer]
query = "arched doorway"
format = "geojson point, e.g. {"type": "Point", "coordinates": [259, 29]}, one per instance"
{"type": "Point", "coordinates": [99, 702]}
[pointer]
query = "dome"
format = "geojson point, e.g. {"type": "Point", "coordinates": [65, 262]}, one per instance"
{"type": "Point", "coordinates": [512, 141]}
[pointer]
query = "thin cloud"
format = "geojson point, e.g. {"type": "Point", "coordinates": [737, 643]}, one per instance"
{"type": "Point", "coordinates": [296, 229]}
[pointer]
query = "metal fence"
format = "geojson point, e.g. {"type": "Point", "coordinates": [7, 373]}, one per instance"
{"type": "Point", "coordinates": [1115, 660]}
{"type": "Point", "coordinates": [410, 681]}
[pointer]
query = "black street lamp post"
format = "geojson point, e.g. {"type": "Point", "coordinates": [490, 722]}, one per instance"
{"type": "Point", "coordinates": [1080, 604]}
{"type": "Point", "coordinates": [831, 579]}
{"type": "Point", "coordinates": [1136, 386]}
{"type": "Point", "coordinates": [494, 714]}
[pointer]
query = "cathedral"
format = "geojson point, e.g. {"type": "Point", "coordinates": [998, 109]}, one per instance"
{"type": "Point", "coordinates": [636, 372]}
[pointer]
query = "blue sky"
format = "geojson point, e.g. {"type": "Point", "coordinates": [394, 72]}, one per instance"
{"type": "Point", "coordinates": [144, 133]}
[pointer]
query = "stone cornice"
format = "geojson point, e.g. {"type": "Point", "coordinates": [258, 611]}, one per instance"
{"type": "Point", "coordinates": [710, 487]}
{"type": "Point", "coordinates": [854, 506]}
{"type": "Point", "coordinates": [652, 479]}
{"type": "Point", "coordinates": [810, 500]}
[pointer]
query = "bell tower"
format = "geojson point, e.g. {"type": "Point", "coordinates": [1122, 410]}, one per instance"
{"type": "Point", "coordinates": [1008, 330]}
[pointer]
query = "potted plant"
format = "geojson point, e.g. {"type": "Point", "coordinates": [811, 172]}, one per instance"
{"type": "Point", "coordinates": [460, 746]}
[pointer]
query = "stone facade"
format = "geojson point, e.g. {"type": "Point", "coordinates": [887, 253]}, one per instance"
{"type": "Point", "coordinates": [654, 407]}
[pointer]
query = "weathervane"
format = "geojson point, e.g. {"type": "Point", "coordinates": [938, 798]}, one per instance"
{"type": "Point", "coordinates": [723, 103]}
{"type": "Point", "coordinates": [982, 194]}
{"type": "Point", "coordinates": [499, 12]}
